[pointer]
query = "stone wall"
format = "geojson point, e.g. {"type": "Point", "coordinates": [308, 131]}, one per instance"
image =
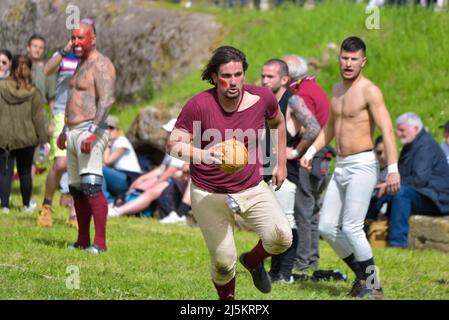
{"type": "Point", "coordinates": [429, 232]}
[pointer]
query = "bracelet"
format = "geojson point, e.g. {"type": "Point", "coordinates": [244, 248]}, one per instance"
{"type": "Point", "coordinates": [393, 168]}
{"type": "Point", "coordinates": [92, 128]}
{"type": "Point", "coordinates": [62, 52]}
{"type": "Point", "coordinates": [310, 153]}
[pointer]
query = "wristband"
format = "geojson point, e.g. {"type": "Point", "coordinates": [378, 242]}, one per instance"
{"type": "Point", "coordinates": [62, 52]}
{"type": "Point", "coordinates": [310, 153]}
{"type": "Point", "coordinates": [295, 153]}
{"type": "Point", "coordinates": [92, 128]}
{"type": "Point", "coordinates": [393, 168]}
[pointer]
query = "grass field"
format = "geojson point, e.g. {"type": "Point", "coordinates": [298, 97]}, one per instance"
{"type": "Point", "coordinates": [147, 260]}
{"type": "Point", "coordinates": [407, 59]}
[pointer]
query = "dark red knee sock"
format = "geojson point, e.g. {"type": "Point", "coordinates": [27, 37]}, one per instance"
{"type": "Point", "coordinates": [83, 216]}
{"type": "Point", "coordinates": [256, 256]}
{"type": "Point", "coordinates": [227, 291]}
{"type": "Point", "coordinates": [98, 205]}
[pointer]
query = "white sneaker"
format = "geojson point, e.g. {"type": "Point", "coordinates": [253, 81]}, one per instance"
{"type": "Point", "coordinates": [31, 207]}
{"type": "Point", "coordinates": [173, 218]}
{"type": "Point", "coordinates": [5, 210]}
{"type": "Point", "coordinates": [94, 250]}
{"type": "Point", "coordinates": [112, 212]}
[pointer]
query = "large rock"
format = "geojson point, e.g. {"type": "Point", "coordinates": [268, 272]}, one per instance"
{"type": "Point", "coordinates": [146, 133]}
{"type": "Point", "coordinates": [429, 232]}
{"type": "Point", "coordinates": [149, 47]}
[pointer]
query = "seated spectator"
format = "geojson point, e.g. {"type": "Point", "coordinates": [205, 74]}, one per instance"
{"type": "Point", "coordinates": [121, 166]}
{"type": "Point", "coordinates": [5, 63]}
{"type": "Point", "coordinates": [379, 199]}
{"type": "Point", "coordinates": [153, 183]}
{"type": "Point", "coordinates": [445, 144]}
{"type": "Point", "coordinates": [424, 178]}
{"type": "Point", "coordinates": [174, 202]}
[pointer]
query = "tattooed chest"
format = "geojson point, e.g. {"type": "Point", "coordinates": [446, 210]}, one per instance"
{"type": "Point", "coordinates": [83, 82]}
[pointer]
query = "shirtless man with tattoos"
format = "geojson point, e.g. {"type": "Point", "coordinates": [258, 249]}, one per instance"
{"type": "Point", "coordinates": [357, 106]}
{"type": "Point", "coordinates": [85, 137]}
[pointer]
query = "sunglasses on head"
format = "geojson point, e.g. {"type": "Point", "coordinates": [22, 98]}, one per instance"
{"type": "Point", "coordinates": [89, 22]}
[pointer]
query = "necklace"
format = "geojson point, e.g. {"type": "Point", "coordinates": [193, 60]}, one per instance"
{"type": "Point", "coordinates": [238, 105]}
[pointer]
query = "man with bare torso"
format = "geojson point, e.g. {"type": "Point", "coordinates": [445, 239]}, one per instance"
{"type": "Point", "coordinates": [84, 135]}
{"type": "Point", "coordinates": [357, 106]}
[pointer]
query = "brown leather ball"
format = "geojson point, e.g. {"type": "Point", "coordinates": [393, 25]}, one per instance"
{"type": "Point", "coordinates": [235, 156]}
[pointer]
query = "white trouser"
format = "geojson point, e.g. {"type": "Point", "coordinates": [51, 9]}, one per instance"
{"type": "Point", "coordinates": [286, 197]}
{"type": "Point", "coordinates": [259, 208]}
{"type": "Point", "coordinates": [346, 203]}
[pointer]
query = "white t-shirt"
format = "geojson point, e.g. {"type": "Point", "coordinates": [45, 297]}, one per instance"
{"type": "Point", "coordinates": [128, 161]}
{"type": "Point", "coordinates": [445, 148]}
{"type": "Point", "coordinates": [170, 161]}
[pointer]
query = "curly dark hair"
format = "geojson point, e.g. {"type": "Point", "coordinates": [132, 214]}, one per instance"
{"type": "Point", "coordinates": [223, 55]}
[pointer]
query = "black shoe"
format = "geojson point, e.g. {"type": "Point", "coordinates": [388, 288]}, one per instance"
{"type": "Point", "coordinates": [300, 277]}
{"type": "Point", "coordinates": [357, 287]}
{"type": "Point", "coordinates": [328, 275]}
{"type": "Point", "coordinates": [261, 279]}
{"type": "Point", "coordinates": [371, 294]}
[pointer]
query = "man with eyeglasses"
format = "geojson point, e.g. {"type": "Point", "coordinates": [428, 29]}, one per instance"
{"type": "Point", "coordinates": [85, 135]}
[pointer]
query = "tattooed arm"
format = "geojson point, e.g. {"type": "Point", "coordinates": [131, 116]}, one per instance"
{"type": "Point", "coordinates": [280, 171]}
{"type": "Point", "coordinates": [307, 120]}
{"type": "Point", "coordinates": [104, 87]}
{"type": "Point", "coordinates": [104, 81]}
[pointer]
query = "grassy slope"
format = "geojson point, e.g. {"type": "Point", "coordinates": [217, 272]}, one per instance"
{"type": "Point", "coordinates": [407, 56]}
{"type": "Point", "coordinates": [150, 261]}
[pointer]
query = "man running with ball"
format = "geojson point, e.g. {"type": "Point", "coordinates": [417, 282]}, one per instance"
{"type": "Point", "coordinates": [228, 107]}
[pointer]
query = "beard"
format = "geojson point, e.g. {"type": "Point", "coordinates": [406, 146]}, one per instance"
{"type": "Point", "coordinates": [232, 95]}
{"type": "Point", "coordinates": [275, 89]}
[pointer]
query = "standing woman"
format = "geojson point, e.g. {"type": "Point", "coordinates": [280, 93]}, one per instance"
{"type": "Point", "coordinates": [5, 63]}
{"type": "Point", "coordinates": [22, 128]}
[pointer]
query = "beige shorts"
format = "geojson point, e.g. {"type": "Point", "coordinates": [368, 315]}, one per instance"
{"type": "Point", "coordinates": [58, 125]}
{"type": "Point", "coordinates": [79, 163]}
{"type": "Point", "coordinates": [261, 211]}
